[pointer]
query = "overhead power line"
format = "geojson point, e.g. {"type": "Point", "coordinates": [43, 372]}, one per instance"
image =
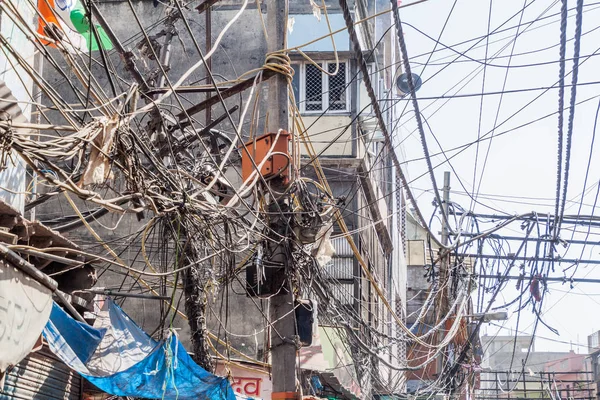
{"type": "Point", "coordinates": [381, 120]}
{"type": "Point", "coordinates": [574, 77]}
{"type": "Point", "coordinates": [415, 103]}
{"type": "Point", "coordinates": [561, 99]}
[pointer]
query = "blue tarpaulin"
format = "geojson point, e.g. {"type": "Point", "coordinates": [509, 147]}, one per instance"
{"type": "Point", "coordinates": [121, 359]}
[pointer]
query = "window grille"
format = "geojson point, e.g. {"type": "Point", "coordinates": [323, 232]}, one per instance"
{"type": "Point", "coordinates": [337, 87]}
{"type": "Point", "coordinates": [320, 92]}
{"type": "Point", "coordinates": [314, 88]}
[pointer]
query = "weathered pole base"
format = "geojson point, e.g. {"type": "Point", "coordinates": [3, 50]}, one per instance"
{"type": "Point", "coordinates": [195, 309]}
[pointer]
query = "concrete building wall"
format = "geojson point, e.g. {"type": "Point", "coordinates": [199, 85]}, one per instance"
{"type": "Point", "coordinates": [330, 129]}
{"type": "Point", "coordinates": [13, 179]}
{"type": "Point", "coordinates": [245, 39]}
{"type": "Point", "coordinates": [499, 358]}
{"type": "Point", "coordinates": [242, 49]}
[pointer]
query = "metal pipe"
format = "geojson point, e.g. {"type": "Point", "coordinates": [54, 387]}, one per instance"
{"type": "Point", "coordinates": [28, 268]}
{"type": "Point", "coordinates": [51, 257]}
{"type": "Point", "coordinates": [208, 38]}
{"type": "Point", "coordinates": [69, 306]}
{"type": "Point", "coordinates": [233, 90]}
{"type": "Point", "coordinates": [127, 55]}
{"type": "Point", "coordinates": [445, 206]}
{"type": "Point", "coordinates": [493, 316]}
{"type": "Point", "coordinates": [444, 261]}
{"type": "Point", "coordinates": [186, 89]}
{"type": "Point", "coordinates": [165, 56]}
{"type": "Point", "coordinates": [109, 292]}
{"type": "Point", "coordinates": [205, 6]}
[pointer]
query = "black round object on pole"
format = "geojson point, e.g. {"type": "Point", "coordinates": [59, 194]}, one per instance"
{"type": "Point", "coordinates": [402, 82]}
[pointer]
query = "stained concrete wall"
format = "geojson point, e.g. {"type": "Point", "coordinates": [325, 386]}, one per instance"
{"type": "Point", "coordinates": [242, 49]}
{"type": "Point", "coordinates": [330, 136]}
{"type": "Point", "coordinates": [13, 180]}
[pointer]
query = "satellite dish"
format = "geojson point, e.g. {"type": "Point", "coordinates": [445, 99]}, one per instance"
{"type": "Point", "coordinates": [402, 82]}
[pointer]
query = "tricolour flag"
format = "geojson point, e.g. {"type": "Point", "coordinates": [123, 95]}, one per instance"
{"type": "Point", "coordinates": [65, 20]}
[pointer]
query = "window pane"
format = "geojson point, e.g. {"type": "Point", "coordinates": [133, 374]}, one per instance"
{"type": "Point", "coordinates": [337, 87]}
{"type": "Point", "coordinates": [296, 83]}
{"type": "Point", "coordinates": [314, 88]}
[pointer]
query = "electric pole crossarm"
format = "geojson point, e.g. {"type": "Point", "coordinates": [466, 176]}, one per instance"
{"type": "Point", "coordinates": [542, 278]}
{"type": "Point", "coordinates": [539, 259]}
{"type": "Point", "coordinates": [586, 220]}
{"type": "Point", "coordinates": [232, 91]}
{"type": "Point", "coordinates": [540, 239]}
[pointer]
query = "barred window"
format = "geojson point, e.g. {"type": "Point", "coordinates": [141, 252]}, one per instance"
{"type": "Point", "coordinates": [320, 92]}
{"type": "Point", "coordinates": [314, 88]}
{"type": "Point", "coordinates": [337, 87]}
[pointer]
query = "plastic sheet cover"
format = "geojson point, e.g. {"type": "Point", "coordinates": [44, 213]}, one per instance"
{"type": "Point", "coordinates": [25, 306]}
{"type": "Point", "coordinates": [121, 359]}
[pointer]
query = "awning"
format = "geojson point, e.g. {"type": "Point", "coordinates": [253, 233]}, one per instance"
{"type": "Point", "coordinates": [25, 306]}
{"type": "Point", "coordinates": [120, 359]}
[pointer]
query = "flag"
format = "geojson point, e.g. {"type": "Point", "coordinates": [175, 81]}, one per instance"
{"type": "Point", "coordinates": [65, 20]}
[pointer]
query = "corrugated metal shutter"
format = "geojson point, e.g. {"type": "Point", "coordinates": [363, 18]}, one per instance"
{"type": "Point", "coordinates": [344, 293]}
{"type": "Point", "coordinates": [342, 263]}
{"type": "Point", "coordinates": [342, 247]}
{"type": "Point", "coordinates": [42, 376]}
{"type": "Point", "coordinates": [340, 268]}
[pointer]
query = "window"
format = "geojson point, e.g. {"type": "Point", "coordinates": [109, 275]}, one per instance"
{"type": "Point", "coordinates": [313, 88]}
{"type": "Point", "coordinates": [317, 92]}
{"type": "Point", "coordinates": [337, 87]}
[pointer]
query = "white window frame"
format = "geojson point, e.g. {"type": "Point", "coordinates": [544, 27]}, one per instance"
{"type": "Point", "coordinates": [325, 88]}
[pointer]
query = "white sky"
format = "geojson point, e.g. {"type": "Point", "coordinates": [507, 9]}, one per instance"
{"type": "Point", "coordinates": [521, 163]}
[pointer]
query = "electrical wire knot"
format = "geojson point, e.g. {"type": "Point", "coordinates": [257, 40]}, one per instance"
{"type": "Point", "coordinates": [279, 62]}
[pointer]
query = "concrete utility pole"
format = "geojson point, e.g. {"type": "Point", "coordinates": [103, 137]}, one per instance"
{"type": "Point", "coordinates": [281, 312]}
{"type": "Point", "coordinates": [445, 207]}
{"type": "Point", "coordinates": [208, 39]}
{"type": "Point", "coordinates": [444, 263]}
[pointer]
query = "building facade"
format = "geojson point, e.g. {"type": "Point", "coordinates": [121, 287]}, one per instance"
{"type": "Point", "coordinates": [30, 249]}
{"type": "Point", "coordinates": [336, 115]}
{"type": "Point", "coordinates": [512, 366]}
